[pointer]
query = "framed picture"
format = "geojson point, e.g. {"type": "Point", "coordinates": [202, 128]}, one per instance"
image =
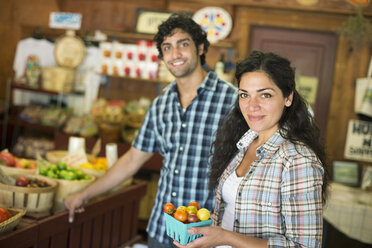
{"type": "Point", "coordinates": [346, 172]}
{"type": "Point", "coordinates": [148, 21]}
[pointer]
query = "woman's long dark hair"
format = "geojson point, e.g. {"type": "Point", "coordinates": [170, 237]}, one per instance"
{"type": "Point", "coordinates": [296, 121]}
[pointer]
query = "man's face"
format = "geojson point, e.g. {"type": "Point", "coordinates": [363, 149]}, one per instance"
{"type": "Point", "coordinates": [180, 54]}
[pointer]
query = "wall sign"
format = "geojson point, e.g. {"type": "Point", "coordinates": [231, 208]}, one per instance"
{"type": "Point", "coordinates": [215, 21]}
{"type": "Point", "coordinates": [64, 20]}
{"type": "Point", "coordinates": [148, 21]}
{"type": "Point", "coordinates": [359, 141]}
{"type": "Point", "coordinates": [307, 87]}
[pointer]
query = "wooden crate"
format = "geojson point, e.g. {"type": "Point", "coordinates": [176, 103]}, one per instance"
{"type": "Point", "coordinates": [31, 199]}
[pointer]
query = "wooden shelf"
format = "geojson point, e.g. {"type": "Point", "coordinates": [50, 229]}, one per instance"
{"type": "Point", "coordinates": [137, 36]}
{"type": "Point", "coordinates": [37, 90]}
{"type": "Point", "coordinates": [148, 80]}
{"type": "Point", "coordinates": [34, 126]}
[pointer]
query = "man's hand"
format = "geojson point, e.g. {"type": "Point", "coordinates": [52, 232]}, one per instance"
{"type": "Point", "coordinates": [74, 203]}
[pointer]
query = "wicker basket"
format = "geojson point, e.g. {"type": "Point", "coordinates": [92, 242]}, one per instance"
{"type": "Point", "coordinates": [13, 221]}
{"type": "Point", "coordinates": [34, 200]}
{"type": "Point", "coordinates": [133, 119]}
{"type": "Point", "coordinates": [14, 170]}
{"type": "Point", "coordinates": [54, 156]}
{"type": "Point", "coordinates": [58, 79]}
{"type": "Point", "coordinates": [110, 132]}
{"type": "Point", "coordinates": [69, 187]}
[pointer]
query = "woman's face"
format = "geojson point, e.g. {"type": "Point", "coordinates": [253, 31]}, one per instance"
{"type": "Point", "coordinates": [262, 102]}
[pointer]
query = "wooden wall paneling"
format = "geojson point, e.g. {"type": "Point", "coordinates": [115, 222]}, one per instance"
{"type": "Point", "coordinates": [110, 15]}
{"type": "Point", "coordinates": [14, 14]}
{"type": "Point", "coordinates": [328, 6]}
{"type": "Point", "coordinates": [312, 21]}
{"type": "Point", "coordinates": [351, 63]}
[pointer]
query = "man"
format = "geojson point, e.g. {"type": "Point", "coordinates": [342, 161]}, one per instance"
{"type": "Point", "coordinates": [180, 125]}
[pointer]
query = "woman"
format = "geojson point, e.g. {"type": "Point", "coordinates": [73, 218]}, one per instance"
{"type": "Point", "coordinates": [268, 164]}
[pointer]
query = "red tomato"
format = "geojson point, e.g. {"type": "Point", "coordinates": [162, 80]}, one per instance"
{"type": "Point", "coordinates": [169, 208]}
{"type": "Point", "coordinates": [4, 214]}
{"type": "Point", "coordinates": [180, 215]}
{"type": "Point", "coordinates": [196, 204]}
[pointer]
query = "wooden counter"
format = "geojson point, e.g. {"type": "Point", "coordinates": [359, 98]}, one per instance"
{"type": "Point", "coordinates": [110, 220]}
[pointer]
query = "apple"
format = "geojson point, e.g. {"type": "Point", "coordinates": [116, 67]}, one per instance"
{"type": "Point", "coordinates": [4, 214]}
{"type": "Point", "coordinates": [192, 218]}
{"type": "Point", "coordinates": [7, 158]}
{"type": "Point", "coordinates": [22, 163]}
{"type": "Point", "coordinates": [22, 181]}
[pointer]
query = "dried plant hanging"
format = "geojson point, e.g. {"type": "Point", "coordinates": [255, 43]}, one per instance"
{"type": "Point", "coordinates": [357, 29]}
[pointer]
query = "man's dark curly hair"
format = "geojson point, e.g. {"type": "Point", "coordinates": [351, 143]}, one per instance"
{"type": "Point", "coordinates": [188, 25]}
{"type": "Point", "coordinates": [297, 123]}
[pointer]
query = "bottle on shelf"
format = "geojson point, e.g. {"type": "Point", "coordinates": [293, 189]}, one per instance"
{"type": "Point", "coordinates": [220, 66]}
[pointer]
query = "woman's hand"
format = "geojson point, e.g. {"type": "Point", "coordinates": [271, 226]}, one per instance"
{"type": "Point", "coordinates": [212, 236]}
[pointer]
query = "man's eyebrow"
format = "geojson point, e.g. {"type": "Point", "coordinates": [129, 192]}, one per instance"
{"type": "Point", "coordinates": [178, 41]}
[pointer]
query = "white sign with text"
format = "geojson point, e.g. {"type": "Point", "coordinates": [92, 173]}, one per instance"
{"type": "Point", "coordinates": [359, 141]}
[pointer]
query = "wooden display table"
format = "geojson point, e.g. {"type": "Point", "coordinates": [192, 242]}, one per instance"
{"type": "Point", "coordinates": [110, 220]}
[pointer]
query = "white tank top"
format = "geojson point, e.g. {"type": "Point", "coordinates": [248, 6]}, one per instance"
{"type": "Point", "coordinates": [229, 191]}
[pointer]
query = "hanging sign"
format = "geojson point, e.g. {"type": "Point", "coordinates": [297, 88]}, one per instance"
{"type": "Point", "coordinates": [148, 21]}
{"type": "Point", "coordinates": [64, 20]}
{"type": "Point", "coordinates": [359, 141]}
{"type": "Point", "coordinates": [307, 87]}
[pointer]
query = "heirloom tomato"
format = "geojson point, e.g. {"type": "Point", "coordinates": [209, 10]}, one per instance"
{"type": "Point", "coordinates": [203, 214]}
{"type": "Point", "coordinates": [191, 210]}
{"type": "Point", "coordinates": [180, 215]}
{"type": "Point", "coordinates": [196, 204]}
{"type": "Point", "coordinates": [183, 208]}
{"type": "Point", "coordinates": [169, 208]}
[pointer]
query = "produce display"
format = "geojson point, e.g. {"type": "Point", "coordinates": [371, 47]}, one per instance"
{"type": "Point", "coordinates": [4, 214]}
{"type": "Point", "coordinates": [9, 160]}
{"type": "Point", "coordinates": [179, 220]}
{"type": "Point", "coordinates": [61, 170]}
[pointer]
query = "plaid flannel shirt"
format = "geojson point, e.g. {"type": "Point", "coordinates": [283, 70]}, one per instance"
{"type": "Point", "coordinates": [183, 138]}
{"type": "Point", "coordinates": [280, 198]}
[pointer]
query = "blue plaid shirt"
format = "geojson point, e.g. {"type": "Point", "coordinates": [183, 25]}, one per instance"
{"type": "Point", "coordinates": [183, 138]}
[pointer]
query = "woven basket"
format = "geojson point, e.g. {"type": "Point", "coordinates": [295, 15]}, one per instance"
{"type": "Point", "coordinates": [54, 156]}
{"type": "Point", "coordinates": [133, 119]}
{"type": "Point", "coordinates": [13, 221]}
{"type": "Point", "coordinates": [110, 132]}
{"type": "Point", "coordinates": [178, 230]}
{"type": "Point", "coordinates": [69, 187]}
{"type": "Point", "coordinates": [14, 170]}
{"type": "Point", "coordinates": [34, 200]}
{"type": "Point", "coordinates": [58, 79]}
